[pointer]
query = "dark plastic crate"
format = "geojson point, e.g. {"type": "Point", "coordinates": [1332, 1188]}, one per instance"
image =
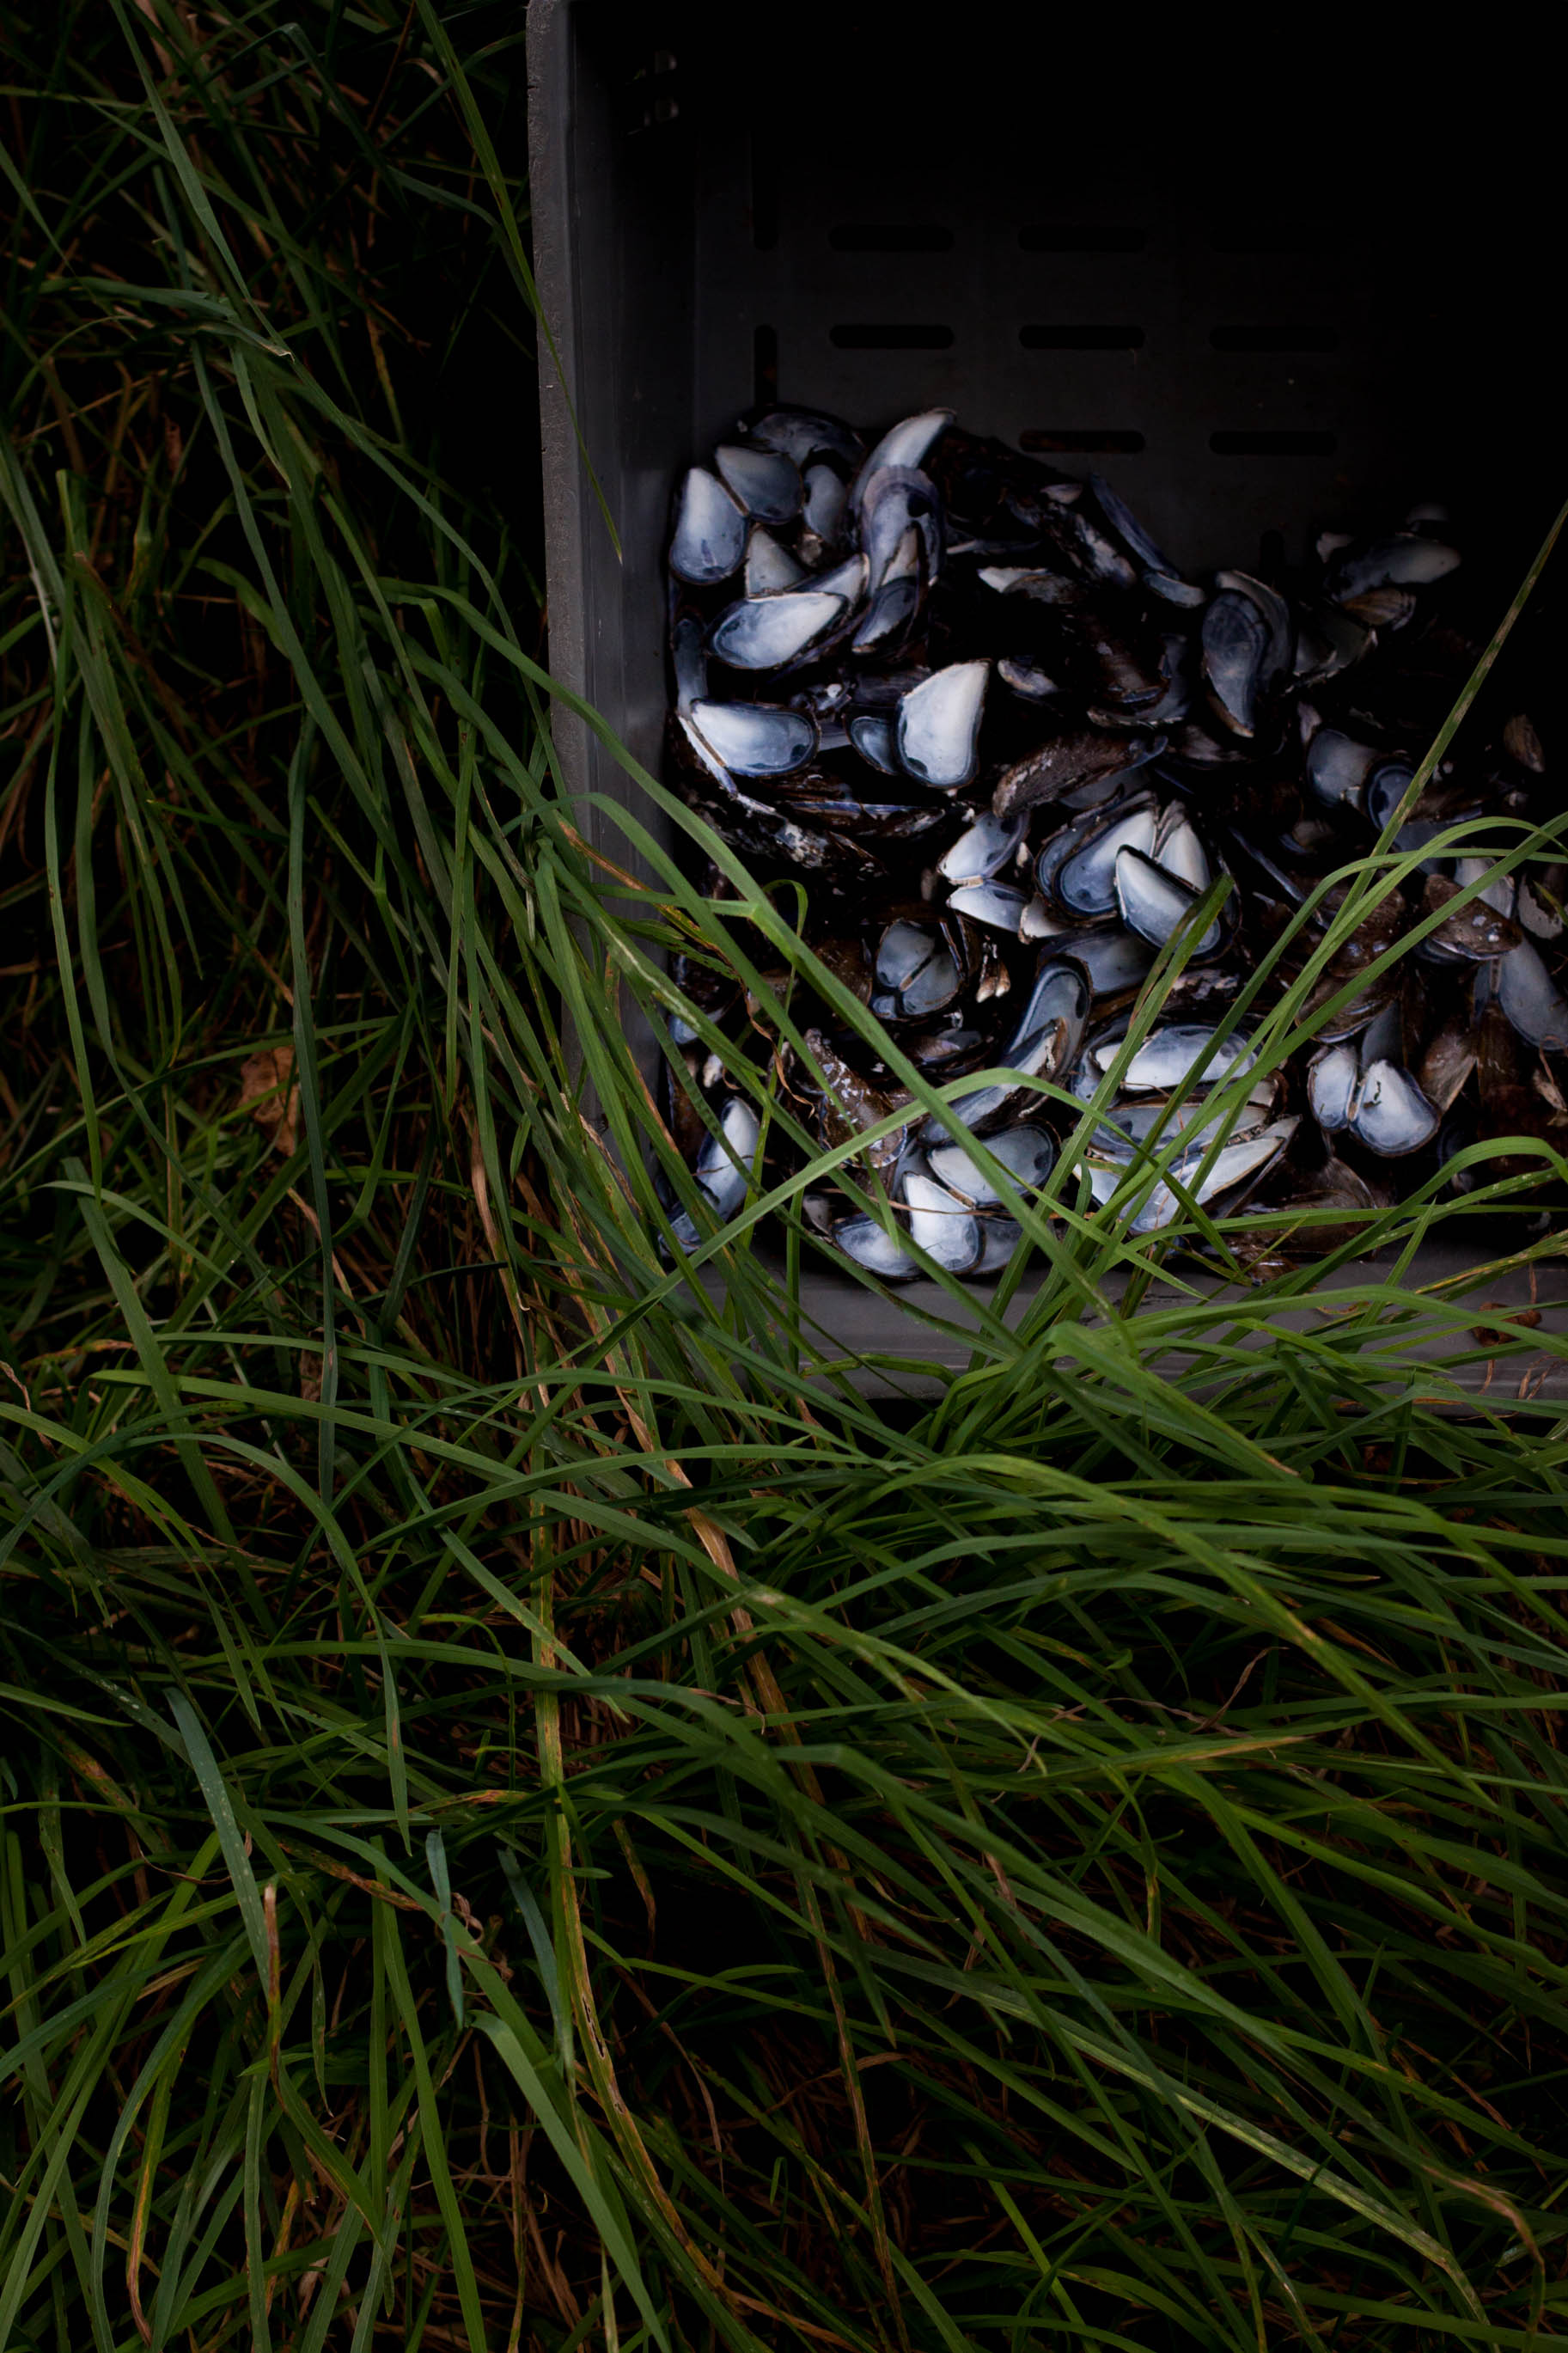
{"type": "Point", "coordinates": [1241, 350]}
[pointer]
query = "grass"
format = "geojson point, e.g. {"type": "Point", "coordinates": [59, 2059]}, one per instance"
{"type": "Point", "coordinates": [527, 1820]}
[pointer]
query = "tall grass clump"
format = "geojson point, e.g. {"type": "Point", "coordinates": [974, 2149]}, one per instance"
{"type": "Point", "coordinates": [536, 1812]}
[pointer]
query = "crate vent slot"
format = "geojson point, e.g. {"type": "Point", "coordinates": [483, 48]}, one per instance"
{"type": "Point", "coordinates": [1273, 445]}
{"type": "Point", "coordinates": [893, 337]}
{"type": "Point", "coordinates": [764, 366]}
{"type": "Point", "coordinates": [1296, 335]}
{"type": "Point", "coordinates": [1279, 237]}
{"type": "Point", "coordinates": [890, 236]}
{"type": "Point", "coordinates": [1083, 440]}
{"type": "Point", "coordinates": [1081, 237]}
{"type": "Point", "coordinates": [1082, 338]}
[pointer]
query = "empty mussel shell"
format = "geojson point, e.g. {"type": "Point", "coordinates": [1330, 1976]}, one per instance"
{"type": "Point", "coordinates": [825, 502]}
{"type": "Point", "coordinates": [906, 444]}
{"type": "Point", "coordinates": [755, 739]}
{"type": "Point", "coordinates": [1167, 1057]}
{"type": "Point", "coordinates": [769, 565]}
{"type": "Point", "coordinates": [1243, 1161]}
{"type": "Point", "coordinates": [919, 971]}
{"type": "Point", "coordinates": [1333, 1079]}
{"type": "Point", "coordinates": [998, 904]}
{"type": "Point", "coordinates": [866, 1240]}
{"type": "Point", "coordinates": [1028, 679]}
{"type": "Point", "coordinates": [1337, 768]}
{"type": "Point", "coordinates": [982, 850]}
{"type": "Point", "coordinates": [874, 736]}
{"type": "Point", "coordinates": [939, 724]}
{"type": "Point", "coordinates": [941, 1224]}
{"type": "Point", "coordinates": [688, 659]}
{"type": "Point", "coordinates": [1405, 559]}
{"type": "Point", "coordinates": [764, 481]}
{"type": "Point", "coordinates": [1154, 905]}
{"type": "Point", "coordinates": [1531, 998]}
{"type": "Point", "coordinates": [1028, 1152]}
{"type": "Point", "coordinates": [804, 433]}
{"type": "Point", "coordinates": [1392, 1116]}
{"type": "Point", "coordinates": [1112, 959]}
{"type": "Point", "coordinates": [1083, 882]}
{"type": "Point", "coordinates": [771, 632]}
{"type": "Point", "coordinates": [710, 537]}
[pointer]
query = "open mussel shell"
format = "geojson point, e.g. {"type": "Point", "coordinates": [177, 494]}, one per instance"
{"type": "Point", "coordinates": [1392, 1116]}
{"type": "Point", "coordinates": [1155, 905]}
{"type": "Point", "coordinates": [1338, 767]}
{"type": "Point", "coordinates": [938, 727]}
{"type": "Point", "coordinates": [1167, 1057]}
{"type": "Point", "coordinates": [764, 481]}
{"type": "Point", "coordinates": [1027, 1151]}
{"type": "Point", "coordinates": [1405, 560]}
{"type": "Point", "coordinates": [769, 565]}
{"type": "Point", "coordinates": [866, 1240]}
{"type": "Point", "coordinates": [1531, 998]}
{"type": "Point", "coordinates": [1113, 960]}
{"type": "Point", "coordinates": [907, 445]}
{"type": "Point", "coordinates": [1238, 1165]}
{"type": "Point", "coordinates": [1000, 905]}
{"type": "Point", "coordinates": [1076, 869]}
{"type": "Point", "coordinates": [775, 632]}
{"type": "Point", "coordinates": [920, 968]}
{"type": "Point", "coordinates": [804, 434]}
{"type": "Point", "coordinates": [722, 1167]}
{"type": "Point", "coordinates": [1234, 651]}
{"type": "Point", "coordinates": [1139, 1124]}
{"type": "Point", "coordinates": [1043, 1045]}
{"type": "Point", "coordinates": [983, 849]}
{"type": "Point", "coordinates": [1333, 1079]}
{"type": "Point", "coordinates": [753, 739]}
{"type": "Point", "coordinates": [941, 1225]}
{"type": "Point", "coordinates": [710, 537]}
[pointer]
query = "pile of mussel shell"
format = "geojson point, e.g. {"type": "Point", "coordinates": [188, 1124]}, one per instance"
{"type": "Point", "coordinates": [1010, 748]}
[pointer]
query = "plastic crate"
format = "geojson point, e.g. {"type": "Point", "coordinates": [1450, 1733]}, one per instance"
{"type": "Point", "coordinates": [717, 222]}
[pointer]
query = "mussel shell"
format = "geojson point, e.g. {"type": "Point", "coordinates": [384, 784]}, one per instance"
{"type": "Point", "coordinates": [755, 739]}
{"type": "Point", "coordinates": [806, 433]}
{"type": "Point", "coordinates": [1337, 768]}
{"type": "Point", "coordinates": [1405, 560]}
{"type": "Point", "coordinates": [942, 1225]}
{"type": "Point", "coordinates": [1154, 905]}
{"type": "Point", "coordinates": [1166, 1059]}
{"type": "Point", "coordinates": [776, 632]}
{"type": "Point", "coordinates": [1234, 649]}
{"type": "Point", "coordinates": [769, 565]}
{"type": "Point", "coordinates": [1068, 763]}
{"type": "Point", "coordinates": [939, 725]}
{"type": "Point", "coordinates": [907, 443]}
{"type": "Point", "coordinates": [1333, 1078]}
{"type": "Point", "coordinates": [764, 481]}
{"type": "Point", "coordinates": [865, 1241]}
{"type": "Point", "coordinates": [709, 540]}
{"type": "Point", "coordinates": [1531, 998]}
{"type": "Point", "coordinates": [1242, 1162]}
{"type": "Point", "coordinates": [1392, 1116]}
{"type": "Point", "coordinates": [998, 904]}
{"type": "Point", "coordinates": [982, 850]}
{"type": "Point", "coordinates": [1077, 866]}
{"type": "Point", "coordinates": [1027, 1152]}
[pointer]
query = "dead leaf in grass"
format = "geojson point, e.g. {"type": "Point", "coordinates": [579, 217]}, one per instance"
{"type": "Point", "coordinates": [267, 1091]}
